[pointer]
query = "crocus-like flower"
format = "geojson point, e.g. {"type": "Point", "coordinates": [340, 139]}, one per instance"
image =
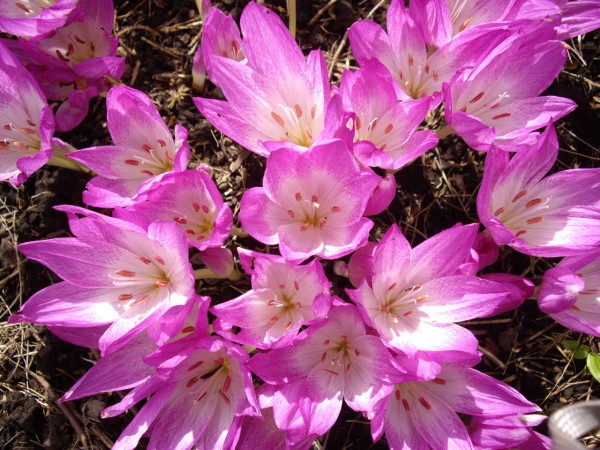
{"type": "Point", "coordinates": [124, 368]}
{"type": "Point", "coordinates": [554, 216]}
{"type": "Point", "coordinates": [414, 298]}
{"type": "Point", "coordinates": [570, 293]}
{"type": "Point", "coordinates": [514, 431]}
{"type": "Point", "coordinates": [33, 17]}
{"type": "Point", "coordinates": [189, 198]}
{"type": "Point", "coordinates": [424, 414]}
{"type": "Point", "coordinates": [77, 61]}
{"type": "Point", "coordinates": [497, 102]}
{"type": "Point", "coordinates": [203, 392]}
{"type": "Point", "coordinates": [144, 150]}
{"type": "Point", "coordinates": [282, 299]}
{"type": "Point", "coordinates": [276, 95]}
{"type": "Point", "coordinates": [403, 51]}
{"type": "Point", "coordinates": [26, 121]}
{"type": "Point", "coordinates": [114, 273]}
{"type": "Point", "coordinates": [330, 362]}
{"type": "Point", "coordinates": [385, 133]}
{"type": "Point", "coordinates": [221, 37]}
{"type": "Point", "coordinates": [312, 202]}
{"type": "Point", "coordinates": [441, 20]}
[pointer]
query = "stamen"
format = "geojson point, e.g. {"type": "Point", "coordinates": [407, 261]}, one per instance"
{"type": "Point", "coordinates": [388, 129]}
{"type": "Point", "coordinates": [20, 145]}
{"type": "Point", "coordinates": [330, 372]}
{"type": "Point", "coordinates": [78, 39]}
{"type": "Point", "coordinates": [533, 202]}
{"type": "Point", "coordinates": [159, 260]}
{"type": "Point", "coordinates": [326, 342]}
{"type": "Point", "coordinates": [291, 213]}
{"type": "Point", "coordinates": [296, 285]}
{"type": "Point", "coordinates": [140, 300]}
{"type": "Point", "coordinates": [535, 220]}
{"type": "Point", "coordinates": [358, 122]}
{"type": "Point", "coordinates": [392, 286]}
{"type": "Point", "coordinates": [303, 228]}
{"type": "Point", "coordinates": [298, 196]}
{"type": "Point", "coordinates": [145, 260]}
{"type": "Point", "coordinates": [397, 394]}
{"type": "Point", "coordinates": [132, 162]}
{"type": "Point", "coordinates": [436, 75]}
{"type": "Point", "coordinates": [439, 381]}
{"type": "Point", "coordinates": [313, 111]}
{"type": "Point", "coordinates": [407, 313]}
{"type": "Point", "coordinates": [589, 291]}
{"type": "Point", "coordinates": [499, 211]}
{"type": "Point", "coordinates": [125, 273]}
{"type": "Point", "coordinates": [189, 330]}
{"type": "Point", "coordinates": [180, 220]}
{"type": "Point", "coordinates": [3, 145]}
{"type": "Point", "coordinates": [162, 283]}
{"type": "Point", "coordinates": [519, 196]}
{"type": "Point", "coordinates": [427, 68]}
{"type": "Point", "coordinates": [205, 209]}
{"type": "Point", "coordinates": [200, 397]}
{"type": "Point", "coordinates": [60, 56]}
{"type": "Point", "coordinates": [372, 124]}
{"type": "Point", "coordinates": [405, 404]}
{"type": "Point", "coordinates": [465, 24]}
{"type": "Point", "coordinates": [335, 209]}
{"type": "Point", "coordinates": [520, 233]}
{"type": "Point", "coordinates": [477, 97]}
{"type": "Point", "coordinates": [196, 206]}
{"type": "Point", "coordinates": [314, 199]}
{"type": "Point", "coordinates": [411, 61]}
{"type": "Point", "coordinates": [124, 297]}
{"type": "Point", "coordinates": [147, 148]}
{"type": "Point", "coordinates": [424, 402]}
{"type": "Point", "coordinates": [421, 298]}
{"type": "Point", "coordinates": [298, 110]}
{"type": "Point", "coordinates": [192, 381]}
{"type": "Point", "coordinates": [161, 143]}
{"type": "Point", "coordinates": [501, 116]}
{"type": "Point", "coordinates": [147, 172]}
{"type": "Point", "coordinates": [225, 397]}
{"type": "Point", "coordinates": [227, 383]}
{"type": "Point", "coordinates": [23, 7]}
{"type": "Point", "coordinates": [278, 119]}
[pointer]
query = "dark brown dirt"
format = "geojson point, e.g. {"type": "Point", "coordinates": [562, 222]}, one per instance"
{"type": "Point", "coordinates": [158, 39]}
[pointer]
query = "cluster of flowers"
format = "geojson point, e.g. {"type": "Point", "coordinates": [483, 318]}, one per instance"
{"type": "Point", "coordinates": [275, 365]}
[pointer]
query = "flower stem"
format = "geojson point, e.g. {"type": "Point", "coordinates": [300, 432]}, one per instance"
{"type": "Point", "coordinates": [205, 273]}
{"type": "Point", "coordinates": [444, 132]}
{"type": "Point", "coordinates": [235, 231]}
{"type": "Point", "coordinates": [59, 159]}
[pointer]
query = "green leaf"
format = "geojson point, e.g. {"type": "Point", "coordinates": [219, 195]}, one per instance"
{"type": "Point", "coordinates": [593, 365]}
{"type": "Point", "coordinates": [581, 351]}
{"type": "Point", "coordinates": [569, 344]}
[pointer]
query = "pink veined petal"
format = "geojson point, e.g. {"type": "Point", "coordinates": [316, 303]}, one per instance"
{"type": "Point", "coordinates": [64, 304]}
{"type": "Point", "coordinates": [297, 242]}
{"type": "Point", "coordinates": [106, 193]}
{"type": "Point", "coordinates": [261, 217]}
{"type": "Point", "coordinates": [436, 422]}
{"type": "Point", "coordinates": [469, 391]}
{"type": "Point", "coordinates": [459, 298]}
{"type": "Point", "coordinates": [120, 370]}
{"type": "Point", "coordinates": [398, 425]}
{"type": "Point", "coordinates": [433, 19]}
{"type": "Point", "coordinates": [441, 254]}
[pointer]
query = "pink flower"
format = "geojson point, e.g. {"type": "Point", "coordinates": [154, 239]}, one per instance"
{"type": "Point", "coordinates": [77, 61]}
{"type": "Point", "coordinates": [144, 150]}
{"type": "Point", "coordinates": [403, 50]}
{"type": "Point", "coordinates": [312, 202]}
{"type": "Point", "coordinates": [26, 121]}
{"type": "Point", "coordinates": [328, 363]}
{"type": "Point", "coordinates": [414, 298]}
{"type": "Point", "coordinates": [114, 273]}
{"type": "Point", "coordinates": [424, 414]}
{"type": "Point", "coordinates": [570, 293]}
{"type": "Point", "coordinates": [497, 103]}
{"type": "Point", "coordinates": [220, 37]}
{"type": "Point", "coordinates": [554, 216]}
{"type": "Point", "coordinates": [203, 392]}
{"type": "Point", "coordinates": [34, 17]}
{"type": "Point", "coordinates": [283, 298]}
{"type": "Point", "coordinates": [385, 129]}
{"type": "Point", "coordinates": [276, 95]}
{"type": "Point", "coordinates": [190, 199]}
{"type": "Point", "coordinates": [514, 431]}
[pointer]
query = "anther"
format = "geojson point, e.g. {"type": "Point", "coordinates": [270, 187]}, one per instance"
{"type": "Point", "coordinates": [330, 372]}
{"type": "Point", "coordinates": [519, 196]}
{"type": "Point", "coordinates": [147, 148]}
{"type": "Point", "coordinates": [23, 7]}
{"type": "Point", "coordinates": [145, 260]}
{"type": "Point", "coordinates": [520, 233]}
{"type": "Point", "coordinates": [140, 300]}
{"type": "Point", "coordinates": [335, 209]}
{"type": "Point", "coordinates": [388, 129]}
{"type": "Point", "coordinates": [499, 211]}
{"type": "Point", "coordinates": [124, 297]}
{"type": "Point", "coordinates": [392, 286]}
{"type": "Point", "coordinates": [535, 220]}
{"type": "Point", "coordinates": [162, 283]}
{"type": "Point", "coordinates": [189, 330]}
{"type": "Point", "coordinates": [298, 110]}
{"type": "Point", "coordinates": [424, 402]}
{"type": "Point", "coordinates": [298, 196]}
{"type": "Point", "coordinates": [535, 201]}
{"type": "Point", "coordinates": [405, 404]}
{"type": "Point", "coordinates": [181, 220]}
{"type": "Point", "coordinates": [296, 285]}
{"type": "Point", "coordinates": [159, 260]}
{"type": "Point", "coordinates": [439, 381]}
{"type": "Point", "coordinates": [278, 119]}
{"type": "Point", "coordinates": [501, 116]}
{"type": "Point", "coordinates": [132, 162]}
{"type": "Point", "coordinates": [477, 97]}
{"type": "Point", "coordinates": [205, 209]}
{"type": "Point", "coordinates": [78, 39]}
{"type": "Point", "coordinates": [291, 213]}
{"type": "Point", "coordinates": [125, 273]}
{"type": "Point", "coordinates": [161, 143]}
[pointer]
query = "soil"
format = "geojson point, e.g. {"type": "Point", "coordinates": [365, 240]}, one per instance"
{"type": "Point", "coordinates": [158, 38]}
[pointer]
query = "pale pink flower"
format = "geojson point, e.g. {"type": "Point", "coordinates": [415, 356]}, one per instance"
{"type": "Point", "coordinates": [34, 17]}
{"type": "Point", "coordinates": [283, 298]}
{"type": "Point", "coordinates": [143, 151]}
{"type": "Point", "coordinates": [570, 293]}
{"type": "Point", "coordinates": [558, 215]}
{"type": "Point", "coordinates": [312, 202]}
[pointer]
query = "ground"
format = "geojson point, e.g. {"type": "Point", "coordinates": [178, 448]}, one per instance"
{"type": "Point", "coordinates": [523, 348]}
